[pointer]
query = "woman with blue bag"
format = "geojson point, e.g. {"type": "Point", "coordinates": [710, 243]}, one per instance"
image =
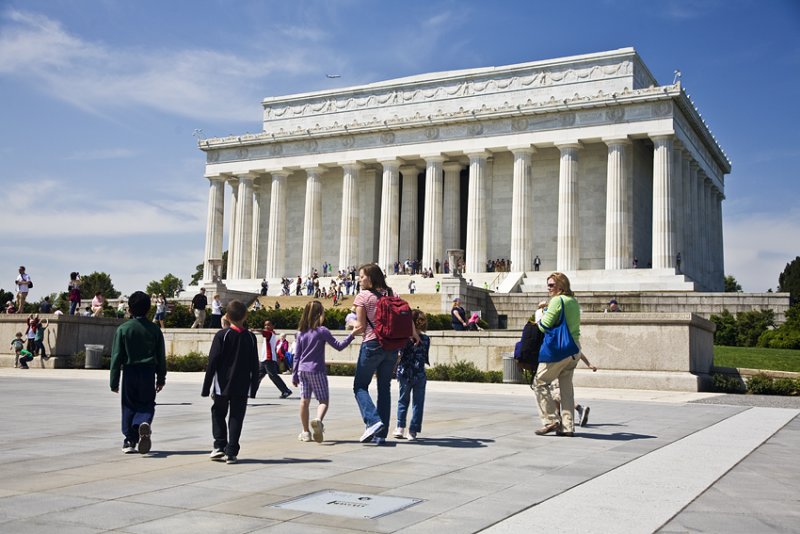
{"type": "Point", "coordinates": [558, 356]}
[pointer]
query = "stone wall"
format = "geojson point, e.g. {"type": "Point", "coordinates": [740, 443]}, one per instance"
{"type": "Point", "coordinates": [66, 334]}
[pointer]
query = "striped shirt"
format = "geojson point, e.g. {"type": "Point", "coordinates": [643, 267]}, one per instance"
{"type": "Point", "coordinates": [369, 302]}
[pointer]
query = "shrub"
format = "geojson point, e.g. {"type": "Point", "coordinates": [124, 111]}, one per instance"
{"type": "Point", "coordinates": [751, 324]}
{"type": "Point", "coordinates": [439, 372]}
{"type": "Point", "coordinates": [787, 336]}
{"type": "Point", "coordinates": [784, 386]}
{"type": "Point", "coordinates": [495, 377]}
{"type": "Point", "coordinates": [180, 316]}
{"type": "Point", "coordinates": [725, 333]}
{"type": "Point", "coordinates": [759, 384]}
{"type": "Point", "coordinates": [342, 369]}
{"type": "Point", "coordinates": [189, 363]}
{"type": "Point", "coordinates": [724, 383]}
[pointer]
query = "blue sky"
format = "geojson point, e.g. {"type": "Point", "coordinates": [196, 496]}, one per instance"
{"type": "Point", "coordinates": [99, 99]}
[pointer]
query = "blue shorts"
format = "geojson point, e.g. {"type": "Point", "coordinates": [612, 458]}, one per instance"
{"type": "Point", "coordinates": [160, 316]}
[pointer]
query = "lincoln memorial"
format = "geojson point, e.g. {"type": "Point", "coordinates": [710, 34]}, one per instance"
{"type": "Point", "coordinates": [584, 161]}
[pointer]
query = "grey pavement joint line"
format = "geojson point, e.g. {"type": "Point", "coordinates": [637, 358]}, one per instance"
{"type": "Point", "coordinates": [644, 494]}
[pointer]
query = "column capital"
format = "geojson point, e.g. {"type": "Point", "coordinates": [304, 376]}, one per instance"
{"type": "Point", "coordinates": [280, 174]}
{"type": "Point", "coordinates": [351, 165]}
{"type": "Point", "coordinates": [247, 176]}
{"type": "Point", "coordinates": [390, 163]}
{"type": "Point", "coordinates": [452, 166]}
{"type": "Point", "coordinates": [216, 177]}
{"type": "Point", "coordinates": [314, 170]}
{"type": "Point", "coordinates": [408, 169]}
{"type": "Point", "coordinates": [616, 140]}
{"type": "Point", "coordinates": [569, 144]}
{"type": "Point", "coordinates": [478, 154]}
{"type": "Point", "coordinates": [693, 164]}
{"type": "Point", "coordinates": [433, 158]}
{"type": "Point", "coordinates": [522, 149]}
{"type": "Point", "coordinates": [661, 136]}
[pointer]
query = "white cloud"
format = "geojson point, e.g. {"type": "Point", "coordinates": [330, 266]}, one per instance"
{"type": "Point", "coordinates": [97, 78]}
{"type": "Point", "coordinates": [759, 245]}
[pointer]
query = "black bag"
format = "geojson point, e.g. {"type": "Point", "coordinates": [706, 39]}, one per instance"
{"type": "Point", "coordinates": [526, 351]}
{"type": "Point", "coordinates": [30, 284]}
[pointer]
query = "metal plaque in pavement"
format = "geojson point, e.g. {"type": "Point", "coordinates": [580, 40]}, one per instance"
{"type": "Point", "coordinates": [348, 504]}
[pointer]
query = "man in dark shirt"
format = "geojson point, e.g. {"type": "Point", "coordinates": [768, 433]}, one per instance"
{"type": "Point", "coordinates": [199, 303]}
{"type": "Point", "coordinates": [138, 355]}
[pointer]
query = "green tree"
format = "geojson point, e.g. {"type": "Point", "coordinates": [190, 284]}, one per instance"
{"type": "Point", "coordinates": [726, 331]}
{"type": "Point", "coordinates": [5, 296]}
{"type": "Point", "coordinates": [96, 282]}
{"type": "Point", "coordinates": [198, 271]}
{"type": "Point", "coordinates": [789, 280]}
{"type": "Point", "coordinates": [169, 286]}
{"type": "Point", "coordinates": [731, 285]}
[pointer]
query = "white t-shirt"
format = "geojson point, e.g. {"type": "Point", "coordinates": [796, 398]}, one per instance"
{"type": "Point", "coordinates": [216, 307]}
{"type": "Point", "coordinates": [24, 287]}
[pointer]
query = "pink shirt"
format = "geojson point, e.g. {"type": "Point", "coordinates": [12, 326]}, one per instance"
{"type": "Point", "coordinates": [369, 302]}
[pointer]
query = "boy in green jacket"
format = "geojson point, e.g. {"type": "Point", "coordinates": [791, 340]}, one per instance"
{"type": "Point", "coordinates": [138, 355]}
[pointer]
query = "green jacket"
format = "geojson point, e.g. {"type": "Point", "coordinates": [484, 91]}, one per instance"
{"type": "Point", "coordinates": [138, 342]}
{"type": "Point", "coordinates": [572, 314]}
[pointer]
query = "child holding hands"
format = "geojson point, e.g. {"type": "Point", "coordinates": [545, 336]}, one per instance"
{"type": "Point", "coordinates": [308, 367]}
{"type": "Point", "coordinates": [412, 379]}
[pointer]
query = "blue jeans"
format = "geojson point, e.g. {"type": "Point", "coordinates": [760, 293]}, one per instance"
{"type": "Point", "coordinates": [407, 392]}
{"type": "Point", "coordinates": [373, 359]}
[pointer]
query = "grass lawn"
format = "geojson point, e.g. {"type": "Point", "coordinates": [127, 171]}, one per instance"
{"type": "Point", "coordinates": [757, 358]}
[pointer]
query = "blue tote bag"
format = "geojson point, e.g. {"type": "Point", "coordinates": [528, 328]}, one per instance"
{"type": "Point", "coordinates": [558, 343]}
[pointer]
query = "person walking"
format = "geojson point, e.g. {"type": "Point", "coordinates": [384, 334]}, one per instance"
{"type": "Point", "coordinates": [199, 303]}
{"type": "Point", "coordinates": [216, 312]}
{"type": "Point", "coordinates": [269, 360]}
{"type": "Point", "coordinates": [308, 368]}
{"type": "Point", "coordinates": [458, 316]}
{"type": "Point", "coordinates": [372, 358]}
{"type": "Point", "coordinates": [562, 369]}
{"type": "Point", "coordinates": [138, 356]}
{"type": "Point", "coordinates": [412, 380]}
{"type": "Point", "coordinates": [74, 288]}
{"type": "Point", "coordinates": [232, 373]}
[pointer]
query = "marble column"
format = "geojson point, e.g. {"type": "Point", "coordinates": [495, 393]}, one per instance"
{"type": "Point", "coordinates": [255, 241]}
{"type": "Point", "coordinates": [686, 213]}
{"type": "Point", "coordinates": [432, 227]}
{"type": "Point", "coordinates": [708, 241]}
{"type": "Point", "coordinates": [521, 206]}
{"type": "Point", "coordinates": [312, 222]}
{"type": "Point", "coordinates": [719, 271]}
{"type": "Point", "coordinates": [568, 241]}
{"type": "Point", "coordinates": [677, 197]}
{"type": "Point", "coordinates": [234, 183]}
{"type": "Point", "coordinates": [390, 215]}
{"type": "Point", "coordinates": [663, 217]}
{"type": "Point", "coordinates": [695, 191]}
{"type": "Point", "coordinates": [276, 240]}
{"type": "Point", "coordinates": [348, 240]}
{"type": "Point", "coordinates": [214, 224]}
{"type": "Point", "coordinates": [261, 225]}
{"type": "Point", "coordinates": [476, 251]}
{"type": "Point", "coordinates": [452, 206]}
{"type": "Point", "coordinates": [408, 213]}
{"type": "Point", "coordinates": [619, 254]}
{"type": "Point", "coordinates": [244, 225]}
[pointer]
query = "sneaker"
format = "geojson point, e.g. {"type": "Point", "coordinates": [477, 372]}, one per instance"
{"type": "Point", "coordinates": [128, 448]}
{"type": "Point", "coordinates": [379, 441]}
{"type": "Point", "coordinates": [144, 438]}
{"type": "Point", "coordinates": [370, 432]}
{"type": "Point", "coordinates": [317, 428]}
{"type": "Point", "coordinates": [398, 432]}
{"type": "Point", "coordinates": [217, 455]}
{"type": "Point", "coordinates": [585, 416]}
{"type": "Point", "coordinates": [286, 394]}
{"type": "Point", "coordinates": [231, 460]}
{"type": "Point", "coordinates": [304, 436]}
{"type": "Point", "coordinates": [412, 436]}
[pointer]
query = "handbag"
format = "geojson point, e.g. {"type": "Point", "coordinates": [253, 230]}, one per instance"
{"type": "Point", "coordinates": [558, 343]}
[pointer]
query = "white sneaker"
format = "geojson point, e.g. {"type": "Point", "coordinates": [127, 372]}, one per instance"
{"type": "Point", "coordinates": [127, 448]}
{"type": "Point", "coordinates": [412, 436]}
{"type": "Point", "coordinates": [317, 428]}
{"type": "Point", "coordinates": [217, 454]}
{"type": "Point", "coordinates": [398, 433]}
{"type": "Point", "coordinates": [304, 436]}
{"type": "Point", "coordinates": [370, 432]}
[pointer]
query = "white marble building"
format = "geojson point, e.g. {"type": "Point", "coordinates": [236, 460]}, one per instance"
{"type": "Point", "coordinates": [584, 161]}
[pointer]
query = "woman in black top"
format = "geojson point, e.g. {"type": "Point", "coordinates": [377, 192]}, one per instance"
{"type": "Point", "coordinates": [458, 315]}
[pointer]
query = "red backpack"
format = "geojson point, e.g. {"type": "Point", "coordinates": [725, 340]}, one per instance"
{"type": "Point", "coordinates": [393, 325]}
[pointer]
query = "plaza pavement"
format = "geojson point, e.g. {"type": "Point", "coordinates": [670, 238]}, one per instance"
{"type": "Point", "coordinates": [648, 461]}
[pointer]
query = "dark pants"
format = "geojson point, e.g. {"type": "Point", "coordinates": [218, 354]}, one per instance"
{"type": "Point", "coordinates": [216, 321]}
{"type": "Point", "coordinates": [270, 367]}
{"type": "Point", "coordinates": [226, 435]}
{"type": "Point", "coordinates": [40, 349]}
{"type": "Point", "coordinates": [138, 399]}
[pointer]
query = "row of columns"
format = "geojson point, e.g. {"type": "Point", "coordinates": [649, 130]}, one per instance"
{"type": "Point", "coordinates": [686, 214]}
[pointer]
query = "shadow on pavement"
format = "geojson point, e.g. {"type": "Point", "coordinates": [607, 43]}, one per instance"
{"type": "Point", "coordinates": [616, 436]}
{"type": "Point", "coordinates": [455, 443]}
{"type": "Point", "coordinates": [284, 461]}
